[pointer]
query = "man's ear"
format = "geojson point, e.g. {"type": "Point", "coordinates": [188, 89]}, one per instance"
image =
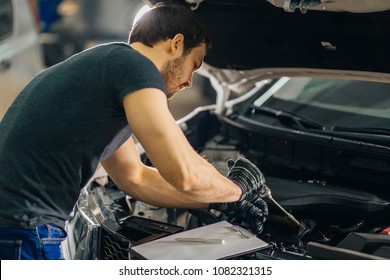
{"type": "Point", "coordinates": [177, 45]}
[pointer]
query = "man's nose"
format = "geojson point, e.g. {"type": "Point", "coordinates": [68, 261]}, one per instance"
{"type": "Point", "coordinates": [189, 82]}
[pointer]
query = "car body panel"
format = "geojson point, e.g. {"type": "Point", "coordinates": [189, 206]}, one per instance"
{"type": "Point", "coordinates": [261, 35]}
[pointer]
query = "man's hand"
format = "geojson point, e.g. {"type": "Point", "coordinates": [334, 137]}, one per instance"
{"type": "Point", "coordinates": [247, 176]}
{"type": "Point", "coordinates": [251, 213]}
{"type": "Point", "coordinates": [251, 209]}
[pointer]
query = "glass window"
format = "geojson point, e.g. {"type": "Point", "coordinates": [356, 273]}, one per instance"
{"type": "Point", "coordinates": [354, 96]}
{"type": "Point", "coordinates": [331, 102]}
{"type": "Point", "coordinates": [5, 18]}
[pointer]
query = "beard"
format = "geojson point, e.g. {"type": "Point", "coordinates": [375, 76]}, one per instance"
{"type": "Point", "coordinates": [172, 74]}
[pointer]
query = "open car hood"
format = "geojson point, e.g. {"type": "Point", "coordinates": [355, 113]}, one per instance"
{"type": "Point", "coordinates": [343, 35]}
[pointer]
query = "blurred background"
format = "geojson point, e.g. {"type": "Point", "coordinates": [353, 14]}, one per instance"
{"type": "Point", "coordinates": [36, 34]}
{"type": "Point", "coordinates": [70, 26]}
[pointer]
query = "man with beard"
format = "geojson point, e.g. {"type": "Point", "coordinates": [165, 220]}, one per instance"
{"type": "Point", "coordinates": [82, 112]}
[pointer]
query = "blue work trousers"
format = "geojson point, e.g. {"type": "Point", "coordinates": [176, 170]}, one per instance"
{"type": "Point", "coordinates": [41, 243]}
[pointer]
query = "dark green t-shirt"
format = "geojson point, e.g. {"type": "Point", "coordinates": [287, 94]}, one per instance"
{"type": "Point", "coordinates": [67, 119]}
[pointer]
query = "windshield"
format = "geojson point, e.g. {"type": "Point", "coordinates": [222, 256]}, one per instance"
{"type": "Point", "coordinates": [331, 102]}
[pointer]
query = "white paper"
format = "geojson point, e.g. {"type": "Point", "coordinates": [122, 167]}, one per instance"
{"type": "Point", "coordinates": [168, 248]}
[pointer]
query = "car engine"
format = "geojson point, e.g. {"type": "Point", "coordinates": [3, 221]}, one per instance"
{"type": "Point", "coordinates": [309, 217]}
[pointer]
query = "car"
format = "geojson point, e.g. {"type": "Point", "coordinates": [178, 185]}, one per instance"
{"type": "Point", "coordinates": [21, 55]}
{"type": "Point", "coordinates": [303, 92]}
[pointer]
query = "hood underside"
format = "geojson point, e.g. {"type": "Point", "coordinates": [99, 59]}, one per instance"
{"type": "Point", "coordinates": [250, 34]}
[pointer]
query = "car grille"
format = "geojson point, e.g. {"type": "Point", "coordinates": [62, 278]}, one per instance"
{"type": "Point", "coordinates": [112, 247]}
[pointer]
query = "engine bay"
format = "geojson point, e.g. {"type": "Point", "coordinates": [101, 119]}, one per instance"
{"type": "Point", "coordinates": [308, 218]}
{"type": "Point", "coordinates": [128, 223]}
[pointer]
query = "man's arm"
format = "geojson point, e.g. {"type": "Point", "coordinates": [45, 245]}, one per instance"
{"type": "Point", "coordinates": [142, 182]}
{"type": "Point", "coordinates": [166, 146]}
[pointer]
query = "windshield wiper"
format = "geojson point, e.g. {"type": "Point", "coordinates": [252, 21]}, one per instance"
{"type": "Point", "coordinates": [363, 129]}
{"type": "Point", "coordinates": [289, 118]}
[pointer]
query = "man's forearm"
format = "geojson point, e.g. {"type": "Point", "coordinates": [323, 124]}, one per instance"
{"type": "Point", "coordinates": [151, 188]}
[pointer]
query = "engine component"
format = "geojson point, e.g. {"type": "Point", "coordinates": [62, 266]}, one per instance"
{"type": "Point", "coordinates": [265, 192]}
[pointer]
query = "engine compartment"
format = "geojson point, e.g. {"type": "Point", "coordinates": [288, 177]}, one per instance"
{"type": "Point", "coordinates": [128, 223]}
{"type": "Point", "coordinates": [333, 220]}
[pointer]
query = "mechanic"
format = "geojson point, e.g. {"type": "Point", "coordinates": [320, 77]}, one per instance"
{"type": "Point", "coordinates": [82, 112]}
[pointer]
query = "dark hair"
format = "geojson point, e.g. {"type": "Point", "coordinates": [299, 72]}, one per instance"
{"type": "Point", "coordinates": [164, 21]}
